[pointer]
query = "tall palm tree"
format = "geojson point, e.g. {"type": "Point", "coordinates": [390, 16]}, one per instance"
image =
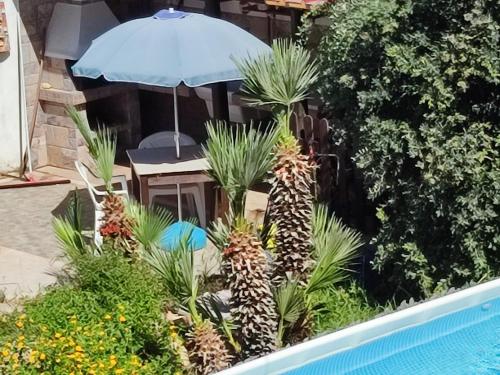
{"type": "Point", "coordinates": [281, 80]}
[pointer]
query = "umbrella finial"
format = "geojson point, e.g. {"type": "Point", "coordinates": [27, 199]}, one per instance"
{"type": "Point", "coordinates": [171, 13]}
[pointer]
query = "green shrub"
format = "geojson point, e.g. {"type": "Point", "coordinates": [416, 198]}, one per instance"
{"type": "Point", "coordinates": [114, 280]}
{"type": "Point", "coordinates": [109, 321]}
{"type": "Point", "coordinates": [342, 306]}
{"type": "Point", "coordinates": [414, 89]}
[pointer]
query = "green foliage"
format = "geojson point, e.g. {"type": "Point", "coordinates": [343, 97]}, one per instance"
{"type": "Point", "coordinates": [148, 223]}
{"type": "Point", "coordinates": [176, 271]}
{"type": "Point", "coordinates": [334, 247]}
{"type": "Point", "coordinates": [239, 157]}
{"type": "Point", "coordinates": [68, 231]}
{"type": "Point", "coordinates": [338, 307]}
{"type": "Point", "coordinates": [414, 87]}
{"type": "Point", "coordinates": [108, 321]}
{"type": "Point", "coordinates": [101, 146]}
{"type": "Point", "coordinates": [114, 280]}
{"type": "Point", "coordinates": [290, 305]}
{"type": "Point", "coordinates": [281, 78]}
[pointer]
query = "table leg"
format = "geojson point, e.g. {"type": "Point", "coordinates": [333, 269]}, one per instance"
{"type": "Point", "coordinates": [136, 189]}
{"type": "Point", "coordinates": [144, 199]}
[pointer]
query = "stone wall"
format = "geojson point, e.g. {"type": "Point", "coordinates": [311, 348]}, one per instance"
{"type": "Point", "coordinates": [35, 16]}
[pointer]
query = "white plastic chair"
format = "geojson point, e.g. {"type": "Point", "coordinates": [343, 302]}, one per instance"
{"type": "Point", "coordinates": [195, 193]}
{"type": "Point", "coordinates": [96, 196]}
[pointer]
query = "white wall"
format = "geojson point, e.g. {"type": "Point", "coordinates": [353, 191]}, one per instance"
{"type": "Point", "coordinates": [10, 124]}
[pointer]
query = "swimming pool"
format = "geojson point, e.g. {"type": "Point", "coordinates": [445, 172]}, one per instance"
{"type": "Point", "coordinates": [456, 334]}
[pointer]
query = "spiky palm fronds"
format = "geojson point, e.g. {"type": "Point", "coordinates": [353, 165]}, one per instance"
{"type": "Point", "coordinates": [252, 305]}
{"type": "Point", "coordinates": [290, 209]}
{"type": "Point", "coordinates": [281, 78]}
{"type": "Point", "coordinates": [335, 246]}
{"type": "Point", "coordinates": [177, 272]}
{"type": "Point", "coordinates": [206, 348]}
{"type": "Point", "coordinates": [290, 305]}
{"type": "Point", "coordinates": [101, 146]}
{"type": "Point", "coordinates": [239, 157]}
{"type": "Point", "coordinates": [207, 351]}
{"type": "Point", "coordinates": [68, 231]}
{"type": "Point", "coordinates": [149, 224]}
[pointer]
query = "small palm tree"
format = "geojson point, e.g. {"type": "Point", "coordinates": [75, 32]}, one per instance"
{"type": "Point", "coordinates": [206, 347]}
{"type": "Point", "coordinates": [280, 80]}
{"type": "Point", "coordinates": [115, 228]}
{"type": "Point", "coordinates": [334, 247]}
{"type": "Point", "coordinates": [239, 157]}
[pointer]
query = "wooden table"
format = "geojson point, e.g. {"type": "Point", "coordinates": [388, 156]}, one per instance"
{"type": "Point", "coordinates": [159, 166]}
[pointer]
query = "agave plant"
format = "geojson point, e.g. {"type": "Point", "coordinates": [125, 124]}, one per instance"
{"type": "Point", "coordinates": [239, 157]}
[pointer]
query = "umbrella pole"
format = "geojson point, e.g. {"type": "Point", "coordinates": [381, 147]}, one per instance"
{"type": "Point", "coordinates": [177, 152]}
{"type": "Point", "coordinates": [179, 202]}
{"type": "Point", "coordinates": [176, 122]}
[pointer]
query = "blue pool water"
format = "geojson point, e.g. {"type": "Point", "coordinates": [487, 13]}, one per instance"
{"type": "Point", "coordinates": [466, 342]}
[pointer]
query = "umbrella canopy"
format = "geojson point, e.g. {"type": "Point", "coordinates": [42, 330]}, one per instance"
{"type": "Point", "coordinates": [168, 49]}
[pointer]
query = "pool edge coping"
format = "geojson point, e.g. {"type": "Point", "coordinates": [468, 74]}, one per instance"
{"type": "Point", "coordinates": [359, 334]}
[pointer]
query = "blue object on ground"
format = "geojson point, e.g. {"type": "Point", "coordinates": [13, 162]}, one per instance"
{"type": "Point", "coordinates": [169, 48]}
{"type": "Point", "coordinates": [196, 236]}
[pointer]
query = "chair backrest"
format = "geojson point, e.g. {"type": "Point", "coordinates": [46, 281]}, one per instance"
{"type": "Point", "coordinates": [166, 139]}
{"type": "Point", "coordinates": [93, 192]}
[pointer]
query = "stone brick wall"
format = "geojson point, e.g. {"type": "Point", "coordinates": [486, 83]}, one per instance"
{"type": "Point", "coordinates": [35, 16]}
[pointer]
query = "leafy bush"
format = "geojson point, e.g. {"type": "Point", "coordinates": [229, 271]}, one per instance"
{"type": "Point", "coordinates": [339, 307]}
{"type": "Point", "coordinates": [414, 89]}
{"type": "Point", "coordinates": [109, 322]}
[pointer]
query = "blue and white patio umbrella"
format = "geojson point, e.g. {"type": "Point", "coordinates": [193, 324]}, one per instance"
{"type": "Point", "coordinates": [167, 49]}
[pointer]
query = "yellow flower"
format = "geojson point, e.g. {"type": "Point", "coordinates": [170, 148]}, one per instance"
{"type": "Point", "coordinates": [119, 371]}
{"type": "Point", "coordinates": [19, 324]}
{"type": "Point", "coordinates": [122, 319]}
{"type": "Point", "coordinates": [21, 338]}
{"type": "Point", "coordinates": [107, 317]}
{"type": "Point", "coordinates": [42, 356]}
{"type": "Point", "coordinates": [112, 363]}
{"type": "Point", "coordinates": [79, 348]}
{"type": "Point", "coordinates": [57, 335]}
{"type": "Point", "coordinates": [5, 352]}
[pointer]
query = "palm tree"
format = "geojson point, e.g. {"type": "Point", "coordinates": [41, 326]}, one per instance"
{"type": "Point", "coordinates": [206, 347]}
{"type": "Point", "coordinates": [334, 248]}
{"type": "Point", "coordinates": [239, 157]}
{"type": "Point", "coordinates": [281, 80]}
{"type": "Point", "coordinates": [115, 228]}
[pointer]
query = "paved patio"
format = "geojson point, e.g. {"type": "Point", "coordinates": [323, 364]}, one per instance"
{"type": "Point", "coordinates": [29, 252]}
